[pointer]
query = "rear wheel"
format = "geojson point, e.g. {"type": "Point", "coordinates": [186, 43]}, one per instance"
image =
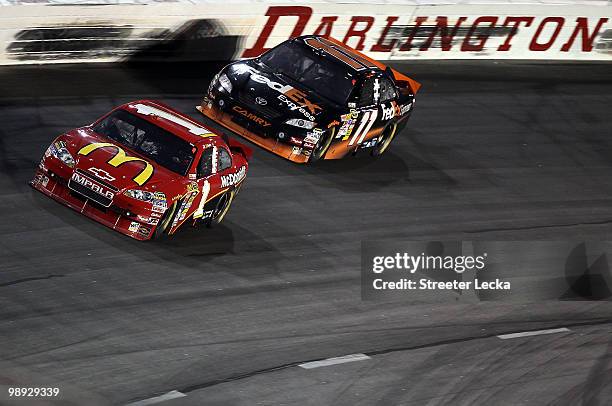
{"type": "Point", "coordinates": [322, 146]}
{"type": "Point", "coordinates": [166, 221]}
{"type": "Point", "coordinates": [222, 207]}
{"type": "Point", "coordinates": [385, 141]}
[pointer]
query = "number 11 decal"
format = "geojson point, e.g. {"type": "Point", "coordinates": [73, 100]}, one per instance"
{"type": "Point", "coordinates": [365, 124]}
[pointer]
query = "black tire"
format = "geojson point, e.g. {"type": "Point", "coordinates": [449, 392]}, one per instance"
{"type": "Point", "coordinates": [387, 137]}
{"type": "Point", "coordinates": [222, 207]}
{"type": "Point", "coordinates": [322, 146]}
{"type": "Point", "coordinates": [166, 221]}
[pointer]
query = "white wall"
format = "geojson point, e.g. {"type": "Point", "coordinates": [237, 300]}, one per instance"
{"type": "Point", "coordinates": [383, 31]}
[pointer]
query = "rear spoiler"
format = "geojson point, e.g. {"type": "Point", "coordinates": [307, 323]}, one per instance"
{"type": "Point", "coordinates": [399, 77]}
{"type": "Point", "coordinates": [239, 147]}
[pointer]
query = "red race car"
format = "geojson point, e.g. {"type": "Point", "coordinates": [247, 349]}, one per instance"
{"type": "Point", "coordinates": [144, 169]}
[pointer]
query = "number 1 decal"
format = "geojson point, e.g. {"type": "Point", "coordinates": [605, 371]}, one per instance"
{"type": "Point", "coordinates": [365, 124]}
{"type": "Point", "coordinates": [205, 191]}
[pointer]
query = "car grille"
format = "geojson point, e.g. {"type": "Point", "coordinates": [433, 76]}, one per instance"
{"type": "Point", "coordinates": [94, 177]}
{"type": "Point", "coordinates": [268, 113]}
{"type": "Point", "coordinates": [89, 194]}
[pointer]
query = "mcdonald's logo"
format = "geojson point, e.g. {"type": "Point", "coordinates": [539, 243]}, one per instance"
{"type": "Point", "coordinates": [120, 158]}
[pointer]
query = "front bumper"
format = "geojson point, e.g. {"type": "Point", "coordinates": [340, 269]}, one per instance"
{"type": "Point", "coordinates": [228, 120]}
{"type": "Point", "coordinates": [115, 217]}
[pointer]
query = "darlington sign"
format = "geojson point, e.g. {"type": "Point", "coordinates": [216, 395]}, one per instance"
{"type": "Point", "coordinates": [423, 33]}
{"type": "Point", "coordinates": [29, 34]}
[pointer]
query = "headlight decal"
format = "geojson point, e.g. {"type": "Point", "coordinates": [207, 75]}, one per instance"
{"type": "Point", "coordinates": [58, 150]}
{"type": "Point", "coordinates": [157, 199]}
{"type": "Point", "coordinates": [298, 122]}
{"type": "Point", "coordinates": [225, 83]}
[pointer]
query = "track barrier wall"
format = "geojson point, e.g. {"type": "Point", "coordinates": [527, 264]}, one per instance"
{"type": "Point", "coordinates": [185, 31]}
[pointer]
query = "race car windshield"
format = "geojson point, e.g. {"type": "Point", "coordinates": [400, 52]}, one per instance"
{"type": "Point", "coordinates": [318, 73]}
{"type": "Point", "coordinates": [147, 139]}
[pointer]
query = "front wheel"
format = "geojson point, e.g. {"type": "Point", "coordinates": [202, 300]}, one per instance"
{"type": "Point", "coordinates": [385, 141]}
{"type": "Point", "coordinates": [166, 221]}
{"type": "Point", "coordinates": [322, 146]}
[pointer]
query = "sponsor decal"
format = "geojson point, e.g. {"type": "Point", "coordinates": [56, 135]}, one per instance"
{"type": "Point", "coordinates": [345, 130]}
{"type": "Point", "coordinates": [119, 159]}
{"type": "Point", "coordinates": [313, 137]}
{"type": "Point", "coordinates": [251, 116]}
{"type": "Point", "coordinates": [308, 145]}
{"type": "Point", "coordinates": [293, 106]}
{"type": "Point", "coordinates": [233, 178]}
{"type": "Point", "coordinates": [149, 220]}
{"type": "Point", "coordinates": [296, 150]}
{"type": "Point", "coordinates": [192, 176]}
{"type": "Point", "coordinates": [144, 231]}
{"type": "Point", "coordinates": [91, 185]}
{"type": "Point", "coordinates": [387, 112]}
{"type": "Point", "coordinates": [333, 123]}
{"type": "Point", "coordinates": [159, 208]}
{"type": "Point", "coordinates": [291, 93]}
{"type": "Point", "coordinates": [348, 122]}
{"type": "Point", "coordinates": [102, 174]}
{"type": "Point", "coordinates": [207, 214]}
{"type": "Point", "coordinates": [261, 101]}
{"type": "Point", "coordinates": [295, 141]}
{"type": "Point", "coordinates": [370, 143]}
{"type": "Point", "coordinates": [134, 226]}
{"type": "Point", "coordinates": [405, 109]}
{"type": "Point", "coordinates": [185, 206]}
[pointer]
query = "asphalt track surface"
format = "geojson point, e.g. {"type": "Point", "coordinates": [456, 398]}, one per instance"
{"type": "Point", "coordinates": [494, 151]}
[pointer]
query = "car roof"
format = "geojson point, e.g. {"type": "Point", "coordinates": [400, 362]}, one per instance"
{"type": "Point", "coordinates": [173, 121]}
{"type": "Point", "coordinates": [354, 61]}
{"type": "Point", "coordinates": [362, 64]}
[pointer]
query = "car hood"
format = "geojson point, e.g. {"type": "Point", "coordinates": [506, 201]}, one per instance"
{"type": "Point", "coordinates": [277, 96]}
{"type": "Point", "coordinates": [103, 160]}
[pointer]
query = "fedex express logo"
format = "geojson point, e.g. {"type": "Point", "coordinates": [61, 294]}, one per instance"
{"type": "Point", "coordinates": [294, 98]}
{"type": "Point", "coordinates": [120, 158]}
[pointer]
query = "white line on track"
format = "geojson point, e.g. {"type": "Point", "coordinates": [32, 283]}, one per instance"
{"type": "Point", "coordinates": [533, 333]}
{"type": "Point", "coordinates": [333, 361]}
{"type": "Point", "coordinates": [157, 399]}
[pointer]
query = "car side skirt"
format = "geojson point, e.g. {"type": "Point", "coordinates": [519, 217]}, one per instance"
{"type": "Point", "coordinates": [278, 148]}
